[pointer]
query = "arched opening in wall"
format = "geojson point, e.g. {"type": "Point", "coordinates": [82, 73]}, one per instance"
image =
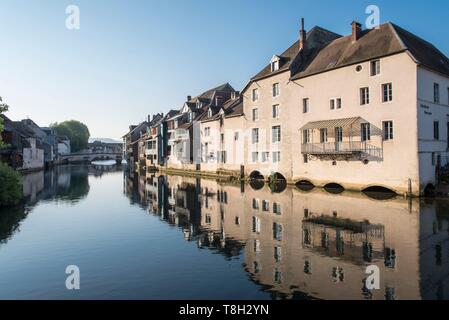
{"type": "Point", "coordinates": [305, 185]}
{"type": "Point", "coordinates": [379, 193]}
{"type": "Point", "coordinates": [277, 182]}
{"type": "Point", "coordinates": [257, 184]}
{"type": "Point", "coordinates": [334, 188]}
{"type": "Point", "coordinates": [429, 191]}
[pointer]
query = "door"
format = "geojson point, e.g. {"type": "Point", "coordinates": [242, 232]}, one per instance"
{"type": "Point", "coordinates": [338, 138]}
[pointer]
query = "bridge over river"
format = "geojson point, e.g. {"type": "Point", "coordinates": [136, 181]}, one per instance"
{"type": "Point", "coordinates": [82, 157]}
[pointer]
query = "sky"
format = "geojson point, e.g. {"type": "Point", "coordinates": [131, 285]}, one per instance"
{"type": "Point", "coordinates": [132, 58]}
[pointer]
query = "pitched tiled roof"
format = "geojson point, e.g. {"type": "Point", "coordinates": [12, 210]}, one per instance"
{"type": "Point", "coordinates": [317, 37]}
{"type": "Point", "coordinates": [387, 40]}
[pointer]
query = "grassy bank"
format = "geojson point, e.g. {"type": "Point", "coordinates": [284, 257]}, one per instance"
{"type": "Point", "coordinates": [10, 186]}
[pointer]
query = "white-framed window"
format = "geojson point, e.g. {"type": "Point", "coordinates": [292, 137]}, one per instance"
{"type": "Point", "coordinates": [255, 157]}
{"type": "Point", "coordinates": [265, 205]}
{"type": "Point", "coordinates": [265, 157]}
{"type": "Point", "coordinates": [365, 132]}
{"type": "Point", "coordinates": [255, 114]}
{"type": "Point", "coordinates": [277, 208]}
{"type": "Point", "coordinates": [332, 104]}
{"type": "Point", "coordinates": [276, 111]}
{"type": "Point", "coordinates": [275, 65]}
{"type": "Point", "coordinates": [236, 136]}
{"type": "Point", "coordinates": [305, 136]}
{"type": "Point", "coordinates": [207, 131]}
{"type": "Point", "coordinates": [436, 130]}
{"type": "Point", "coordinates": [190, 116]}
{"type": "Point", "coordinates": [276, 90]}
{"type": "Point", "coordinates": [339, 103]}
{"type": "Point", "coordinates": [255, 135]}
{"type": "Point", "coordinates": [256, 204]}
{"type": "Point", "coordinates": [276, 134]}
{"type": "Point", "coordinates": [276, 156]}
{"type": "Point", "coordinates": [364, 96]}
{"type": "Point", "coordinates": [375, 68]}
{"type": "Point", "coordinates": [255, 95]}
{"type": "Point", "coordinates": [209, 113]}
{"type": "Point", "coordinates": [256, 225]}
{"type": "Point", "coordinates": [436, 92]}
{"type": "Point", "coordinates": [305, 105]}
{"type": "Point", "coordinates": [387, 92]}
{"type": "Point", "coordinates": [388, 130]}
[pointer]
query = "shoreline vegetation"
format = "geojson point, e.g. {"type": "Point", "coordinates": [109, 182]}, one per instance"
{"type": "Point", "coordinates": [10, 186]}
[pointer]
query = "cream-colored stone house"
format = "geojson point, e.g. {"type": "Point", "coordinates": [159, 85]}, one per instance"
{"type": "Point", "coordinates": [368, 109]}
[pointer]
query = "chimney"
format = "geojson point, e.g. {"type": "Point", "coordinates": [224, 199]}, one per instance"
{"type": "Point", "coordinates": [302, 36]}
{"type": "Point", "coordinates": [356, 31]}
{"type": "Point", "coordinates": [189, 98]}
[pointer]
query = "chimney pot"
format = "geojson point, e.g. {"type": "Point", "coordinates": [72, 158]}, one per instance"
{"type": "Point", "coordinates": [356, 31]}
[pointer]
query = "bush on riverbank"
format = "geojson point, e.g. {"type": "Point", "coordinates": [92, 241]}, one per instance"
{"type": "Point", "coordinates": [10, 186]}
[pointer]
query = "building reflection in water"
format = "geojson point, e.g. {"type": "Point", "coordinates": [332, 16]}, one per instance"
{"type": "Point", "coordinates": [62, 184]}
{"type": "Point", "coordinates": [309, 245]}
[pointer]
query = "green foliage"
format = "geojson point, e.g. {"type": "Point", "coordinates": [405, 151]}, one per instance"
{"type": "Point", "coordinates": [77, 132]}
{"type": "Point", "coordinates": [3, 108]}
{"type": "Point", "coordinates": [10, 186]}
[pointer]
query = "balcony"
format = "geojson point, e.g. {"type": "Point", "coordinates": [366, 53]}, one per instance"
{"type": "Point", "coordinates": [349, 148]}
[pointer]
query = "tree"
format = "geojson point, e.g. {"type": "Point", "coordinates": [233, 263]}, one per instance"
{"type": "Point", "coordinates": [77, 132]}
{"type": "Point", "coordinates": [3, 108]}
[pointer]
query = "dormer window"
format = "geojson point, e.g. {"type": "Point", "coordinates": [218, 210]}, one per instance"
{"type": "Point", "coordinates": [275, 63]}
{"type": "Point", "coordinates": [198, 105]}
{"type": "Point", "coordinates": [190, 116]}
{"type": "Point", "coordinates": [209, 113]}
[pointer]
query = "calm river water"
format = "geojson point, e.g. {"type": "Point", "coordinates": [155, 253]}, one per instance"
{"type": "Point", "coordinates": [167, 237]}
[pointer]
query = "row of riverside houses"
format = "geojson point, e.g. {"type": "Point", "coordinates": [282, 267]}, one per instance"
{"type": "Point", "coordinates": [363, 111]}
{"type": "Point", "coordinates": [30, 147]}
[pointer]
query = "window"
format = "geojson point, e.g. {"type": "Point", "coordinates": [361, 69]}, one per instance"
{"type": "Point", "coordinates": [256, 225]}
{"type": "Point", "coordinates": [255, 114]}
{"type": "Point", "coordinates": [305, 105]}
{"type": "Point", "coordinates": [222, 138]}
{"type": "Point", "coordinates": [255, 157]}
{"type": "Point", "coordinates": [256, 204]}
{"type": "Point", "coordinates": [190, 116]}
{"type": "Point", "coordinates": [306, 136]}
{"type": "Point", "coordinates": [276, 111]}
{"type": "Point", "coordinates": [323, 135]}
{"type": "Point", "coordinates": [236, 136]}
{"type": "Point", "coordinates": [209, 113]}
{"type": "Point", "coordinates": [265, 156]}
{"type": "Point", "coordinates": [276, 134]}
{"type": "Point", "coordinates": [276, 157]}
{"type": "Point", "coordinates": [339, 134]}
{"type": "Point", "coordinates": [277, 257]}
{"type": "Point", "coordinates": [265, 206]}
{"type": "Point", "coordinates": [436, 130]}
{"type": "Point", "coordinates": [432, 155]}
{"type": "Point", "coordinates": [339, 104]}
{"type": "Point", "coordinates": [237, 221]}
{"type": "Point", "coordinates": [207, 131]}
{"type": "Point", "coordinates": [375, 68]}
{"type": "Point", "coordinates": [332, 104]}
{"type": "Point", "coordinates": [388, 130]}
{"type": "Point", "coordinates": [364, 96]}
{"type": "Point", "coordinates": [277, 208]}
{"type": "Point", "coordinates": [436, 92]}
{"type": "Point", "coordinates": [365, 132]}
{"type": "Point", "coordinates": [387, 92]}
{"type": "Point", "coordinates": [277, 231]}
{"type": "Point", "coordinates": [255, 95]}
{"type": "Point", "coordinates": [255, 135]}
{"type": "Point", "coordinates": [275, 66]}
{"type": "Point", "coordinates": [276, 91]}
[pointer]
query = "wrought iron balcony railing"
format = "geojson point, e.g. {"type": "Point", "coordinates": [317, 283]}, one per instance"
{"type": "Point", "coordinates": [341, 148]}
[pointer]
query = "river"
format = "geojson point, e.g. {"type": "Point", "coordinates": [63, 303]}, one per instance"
{"type": "Point", "coordinates": [168, 237]}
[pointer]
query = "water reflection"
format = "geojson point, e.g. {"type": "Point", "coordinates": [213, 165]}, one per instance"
{"type": "Point", "coordinates": [62, 184]}
{"type": "Point", "coordinates": [309, 244]}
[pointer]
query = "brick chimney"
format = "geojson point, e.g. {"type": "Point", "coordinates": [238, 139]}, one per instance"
{"type": "Point", "coordinates": [356, 31]}
{"type": "Point", "coordinates": [302, 36]}
{"type": "Point", "coordinates": [189, 98]}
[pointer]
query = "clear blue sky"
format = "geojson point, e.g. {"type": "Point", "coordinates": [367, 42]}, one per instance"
{"type": "Point", "coordinates": [133, 58]}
